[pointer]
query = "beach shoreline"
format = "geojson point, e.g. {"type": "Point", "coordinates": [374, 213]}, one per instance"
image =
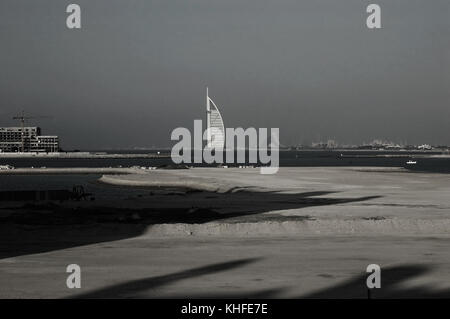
{"type": "Point", "coordinates": [305, 232]}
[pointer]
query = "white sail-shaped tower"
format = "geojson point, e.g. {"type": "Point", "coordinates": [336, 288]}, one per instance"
{"type": "Point", "coordinates": [215, 127]}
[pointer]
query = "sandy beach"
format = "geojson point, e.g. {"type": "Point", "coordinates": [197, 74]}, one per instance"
{"type": "Point", "coordinates": [304, 232]}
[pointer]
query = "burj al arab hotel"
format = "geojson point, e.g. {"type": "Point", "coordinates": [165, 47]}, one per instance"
{"type": "Point", "coordinates": [215, 128]}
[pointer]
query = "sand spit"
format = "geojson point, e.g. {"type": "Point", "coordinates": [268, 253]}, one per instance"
{"type": "Point", "coordinates": [166, 178]}
{"type": "Point", "coordinates": [305, 201]}
{"type": "Point", "coordinates": [219, 180]}
{"type": "Point", "coordinates": [327, 227]}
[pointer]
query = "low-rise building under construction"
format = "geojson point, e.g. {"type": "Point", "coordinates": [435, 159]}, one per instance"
{"type": "Point", "coordinates": [27, 139]}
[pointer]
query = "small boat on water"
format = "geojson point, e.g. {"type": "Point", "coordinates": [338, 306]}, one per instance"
{"type": "Point", "coordinates": [411, 162]}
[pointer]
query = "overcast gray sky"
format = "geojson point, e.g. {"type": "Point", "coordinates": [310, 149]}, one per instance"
{"type": "Point", "coordinates": [138, 69]}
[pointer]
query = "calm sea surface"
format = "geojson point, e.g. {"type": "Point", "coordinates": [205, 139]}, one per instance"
{"type": "Point", "coordinates": [287, 158]}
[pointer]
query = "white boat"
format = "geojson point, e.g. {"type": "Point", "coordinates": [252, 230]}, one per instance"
{"type": "Point", "coordinates": [3, 167]}
{"type": "Point", "coordinates": [411, 162]}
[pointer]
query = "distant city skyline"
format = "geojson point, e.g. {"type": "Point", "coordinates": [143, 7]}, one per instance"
{"type": "Point", "coordinates": [137, 70]}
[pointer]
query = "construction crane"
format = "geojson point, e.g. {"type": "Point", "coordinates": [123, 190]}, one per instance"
{"type": "Point", "coordinates": [22, 119]}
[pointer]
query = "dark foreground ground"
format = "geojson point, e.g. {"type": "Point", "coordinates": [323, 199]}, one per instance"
{"type": "Point", "coordinates": [281, 267]}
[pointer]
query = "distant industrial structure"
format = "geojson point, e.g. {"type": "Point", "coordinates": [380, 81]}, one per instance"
{"type": "Point", "coordinates": [27, 139]}
{"type": "Point", "coordinates": [377, 144]}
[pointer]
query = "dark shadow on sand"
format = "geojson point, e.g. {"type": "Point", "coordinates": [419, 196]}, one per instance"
{"type": "Point", "coordinates": [38, 228]}
{"type": "Point", "coordinates": [393, 286]}
{"type": "Point", "coordinates": [143, 287]}
{"type": "Point", "coordinates": [394, 282]}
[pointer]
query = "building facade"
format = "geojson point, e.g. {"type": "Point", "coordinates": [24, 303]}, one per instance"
{"type": "Point", "coordinates": [27, 139]}
{"type": "Point", "coordinates": [215, 127]}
